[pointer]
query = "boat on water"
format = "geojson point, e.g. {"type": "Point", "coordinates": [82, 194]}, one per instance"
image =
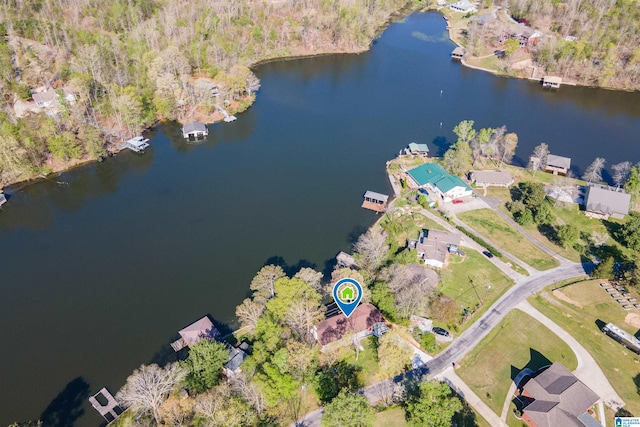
{"type": "Point", "coordinates": [3, 198]}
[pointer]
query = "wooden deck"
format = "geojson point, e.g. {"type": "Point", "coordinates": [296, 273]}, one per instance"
{"type": "Point", "coordinates": [178, 345]}
{"type": "Point", "coordinates": [376, 207]}
{"type": "Point", "coordinates": [111, 410]}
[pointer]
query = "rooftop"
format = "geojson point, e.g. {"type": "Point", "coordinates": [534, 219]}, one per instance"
{"type": "Point", "coordinates": [194, 127]}
{"type": "Point", "coordinates": [491, 177]}
{"type": "Point", "coordinates": [560, 398]}
{"type": "Point", "coordinates": [558, 161]}
{"type": "Point", "coordinates": [435, 175]}
{"type": "Point", "coordinates": [199, 329]}
{"type": "Point", "coordinates": [376, 196]}
{"type": "Point", "coordinates": [607, 200]}
{"type": "Point", "coordinates": [422, 148]}
{"type": "Point", "coordinates": [362, 318]}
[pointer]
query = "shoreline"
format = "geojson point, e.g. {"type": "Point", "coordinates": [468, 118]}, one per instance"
{"type": "Point", "coordinates": [507, 75]}
{"type": "Point", "coordinates": [404, 11]}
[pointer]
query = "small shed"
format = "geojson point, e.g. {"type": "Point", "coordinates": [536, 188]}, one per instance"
{"type": "Point", "coordinates": [194, 130]}
{"type": "Point", "coordinates": [196, 331]}
{"type": "Point", "coordinates": [458, 53]}
{"type": "Point", "coordinates": [558, 164]}
{"type": "Point", "coordinates": [552, 82]}
{"type": "Point", "coordinates": [417, 149]}
{"type": "Point", "coordinates": [375, 201]}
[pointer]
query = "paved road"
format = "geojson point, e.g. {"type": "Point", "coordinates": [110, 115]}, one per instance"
{"type": "Point", "coordinates": [472, 336]}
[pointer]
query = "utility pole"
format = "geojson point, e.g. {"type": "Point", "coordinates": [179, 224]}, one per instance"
{"type": "Point", "coordinates": [475, 290]}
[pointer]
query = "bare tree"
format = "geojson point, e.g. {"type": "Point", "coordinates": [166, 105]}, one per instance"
{"type": "Point", "coordinates": [411, 287]}
{"type": "Point", "coordinates": [262, 283]}
{"type": "Point", "coordinates": [538, 160]}
{"type": "Point", "coordinates": [249, 312]}
{"type": "Point", "coordinates": [594, 170]}
{"type": "Point", "coordinates": [310, 276]}
{"type": "Point", "coordinates": [221, 408]}
{"type": "Point", "coordinates": [148, 387]}
{"type": "Point", "coordinates": [301, 318]}
{"type": "Point", "coordinates": [372, 249]}
{"type": "Point", "coordinates": [242, 385]}
{"type": "Point", "coordinates": [507, 147]}
{"type": "Point", "coordinates": [621, 173]}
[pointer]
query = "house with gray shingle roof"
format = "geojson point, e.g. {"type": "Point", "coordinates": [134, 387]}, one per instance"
{"type": "Point", "coordinates": [603, 201]}
{"type": "Point", "coordinates": [555, 397]}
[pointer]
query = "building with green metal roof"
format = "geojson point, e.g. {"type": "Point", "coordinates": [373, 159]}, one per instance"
{"type": "Point", "coordinates": [435, 177]}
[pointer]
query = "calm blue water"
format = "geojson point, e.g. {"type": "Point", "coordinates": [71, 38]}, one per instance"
{"type": "Point", "coordinates": [100, 270]}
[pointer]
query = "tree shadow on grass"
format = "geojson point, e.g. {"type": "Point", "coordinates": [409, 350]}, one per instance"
{"type": "Point", "coordinates": [536, 361]}
{"type": "Point", "coordinates": [67, 406]}
{"type": "Point", "coordinates": [466, 417]}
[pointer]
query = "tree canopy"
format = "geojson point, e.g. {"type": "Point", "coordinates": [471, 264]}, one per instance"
{"type": "Point", "coordinates": [348, 410]}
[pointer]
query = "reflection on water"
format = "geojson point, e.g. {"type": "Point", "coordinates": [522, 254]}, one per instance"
{"type": "Point", "coordinates": [102, 265]}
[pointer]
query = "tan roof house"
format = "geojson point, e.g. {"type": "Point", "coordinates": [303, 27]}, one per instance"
{"type": "Point", "coordinates": [485, 179]}
{"type": "Point", "coordinates": [554, 397]}
{"type": "Point", "coordinates": [50, 99]}
{"type": "Point", "coordinates": [603, 201]}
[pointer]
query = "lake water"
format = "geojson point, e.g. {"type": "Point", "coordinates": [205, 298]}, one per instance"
{"type": "Point", "coordinates": [101, 266]}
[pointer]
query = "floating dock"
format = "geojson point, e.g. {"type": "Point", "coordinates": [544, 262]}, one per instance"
{"type": "Point", "coordinates": [110, 410]}
{"type": "Point", "coordinates": [137, 144]}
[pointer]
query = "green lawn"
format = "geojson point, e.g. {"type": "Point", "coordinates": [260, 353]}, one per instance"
{"type": "Point", "coordinates": [488, 223]}
{"type": "Point", "coordinates": [367, 362]}
{"type": "Point", "coordinates": [620, 365]}
{"type": "Point", "coordinates": [518, 341]}
{"type": "Point", "coordinates": [489, 62]}
{"type": "Point", "coordinates": [460, 278]}
{"type": "Point", "coordinates": [408, 225]}
{"type": "Point", "coordinates": [392, 417]}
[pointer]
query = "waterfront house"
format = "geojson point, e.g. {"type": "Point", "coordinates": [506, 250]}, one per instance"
{"type": "Point", "coordinates": [417, 149]}
{"type": "Point", "coordinates": [198, 330]}
{"type": "Point", "coordinates": [458, 53]}
{"type": "Point", "coordinates": [194, 130]}
{"type": "Point", "coordinates": [551, 81]}
{"type": "Point", "coordinates": [554, 397]}
{"type": "Point", "coordinates": [51, 99]}
{"type": "Point", "coordinates": [602, 201]}
{"type": "Point", "coordinates": [558, 164]}
{"type": "Point", "coordinates": [434, 247]}
{"type": "Point", "coordinates": [501, 178]}
{"type": "Point", "coordinates": [375, 201]}
{"type": "Point", "coordinates": [236, 357]}
{"type": "Point", "coordinates": [364, 321]}
{"type": "Point", "coordinates": [434, 177]}
{"type": "Point", "coordinates": [464, 6]}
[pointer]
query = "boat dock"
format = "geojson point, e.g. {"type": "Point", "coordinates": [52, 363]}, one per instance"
{"type": "Point", "coordinates": [3, 198]}
{"type": "Point", "coordinates": [227, 117]}
{"type": "Point", "coordinates": [110, 410]}
{"type": "Point", "coordinates": [375, 201]}
{"type": "Point", "coordinates": [137, 144]}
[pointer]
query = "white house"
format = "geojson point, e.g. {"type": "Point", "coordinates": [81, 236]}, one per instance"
{"type": "Point", "coordinates": [463, 6]}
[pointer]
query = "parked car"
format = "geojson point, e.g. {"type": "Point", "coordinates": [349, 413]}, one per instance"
{"type": "Point", "coordinates": [457, 201]}
{"type": "Point", "coordinates": [487, 254]}
{"type": "Point", "coordinates": [423, 191]}
{"type": "Point", "coordinates": [440, 331]}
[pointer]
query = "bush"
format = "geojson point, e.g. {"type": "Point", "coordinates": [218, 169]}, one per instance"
{"type": "Point", "coordinates": [479, 241]}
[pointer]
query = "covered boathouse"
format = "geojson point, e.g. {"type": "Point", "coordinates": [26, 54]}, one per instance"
{"type": "Point", "coordinates": [375, 201]}
{"type": "Point", "coordinates": [194, 130]}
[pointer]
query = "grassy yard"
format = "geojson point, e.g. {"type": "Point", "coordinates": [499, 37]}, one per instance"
{"type": "Point", "coordinates": [488, 223]}
{"type": "Point", "coordinates": [589, 303]}
{"type": "Point", "coordinates": [367, 362]}
{"type": "Point", "coordinates": [461, 276]}
{"type": "Point", "coordinates": [407, 225]}
{"type": "Point", "coordinates": [489, 62]}
{"type": "Point", "coordinates": [392, 417]}
{"type": "Point", "coordinates": [518, 341]}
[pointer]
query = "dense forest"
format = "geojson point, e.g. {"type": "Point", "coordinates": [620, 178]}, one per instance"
{"type": "Point", "coordinates": [606, 48]}
{"type": "Point", "coordinates": [132, 62]}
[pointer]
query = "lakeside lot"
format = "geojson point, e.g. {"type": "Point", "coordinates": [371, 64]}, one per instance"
{"type": "Point", "coordinates": [491, 226]}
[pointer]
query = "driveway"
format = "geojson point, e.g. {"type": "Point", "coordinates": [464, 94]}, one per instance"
{"type": "Point", "coordinates": [588, 370]}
